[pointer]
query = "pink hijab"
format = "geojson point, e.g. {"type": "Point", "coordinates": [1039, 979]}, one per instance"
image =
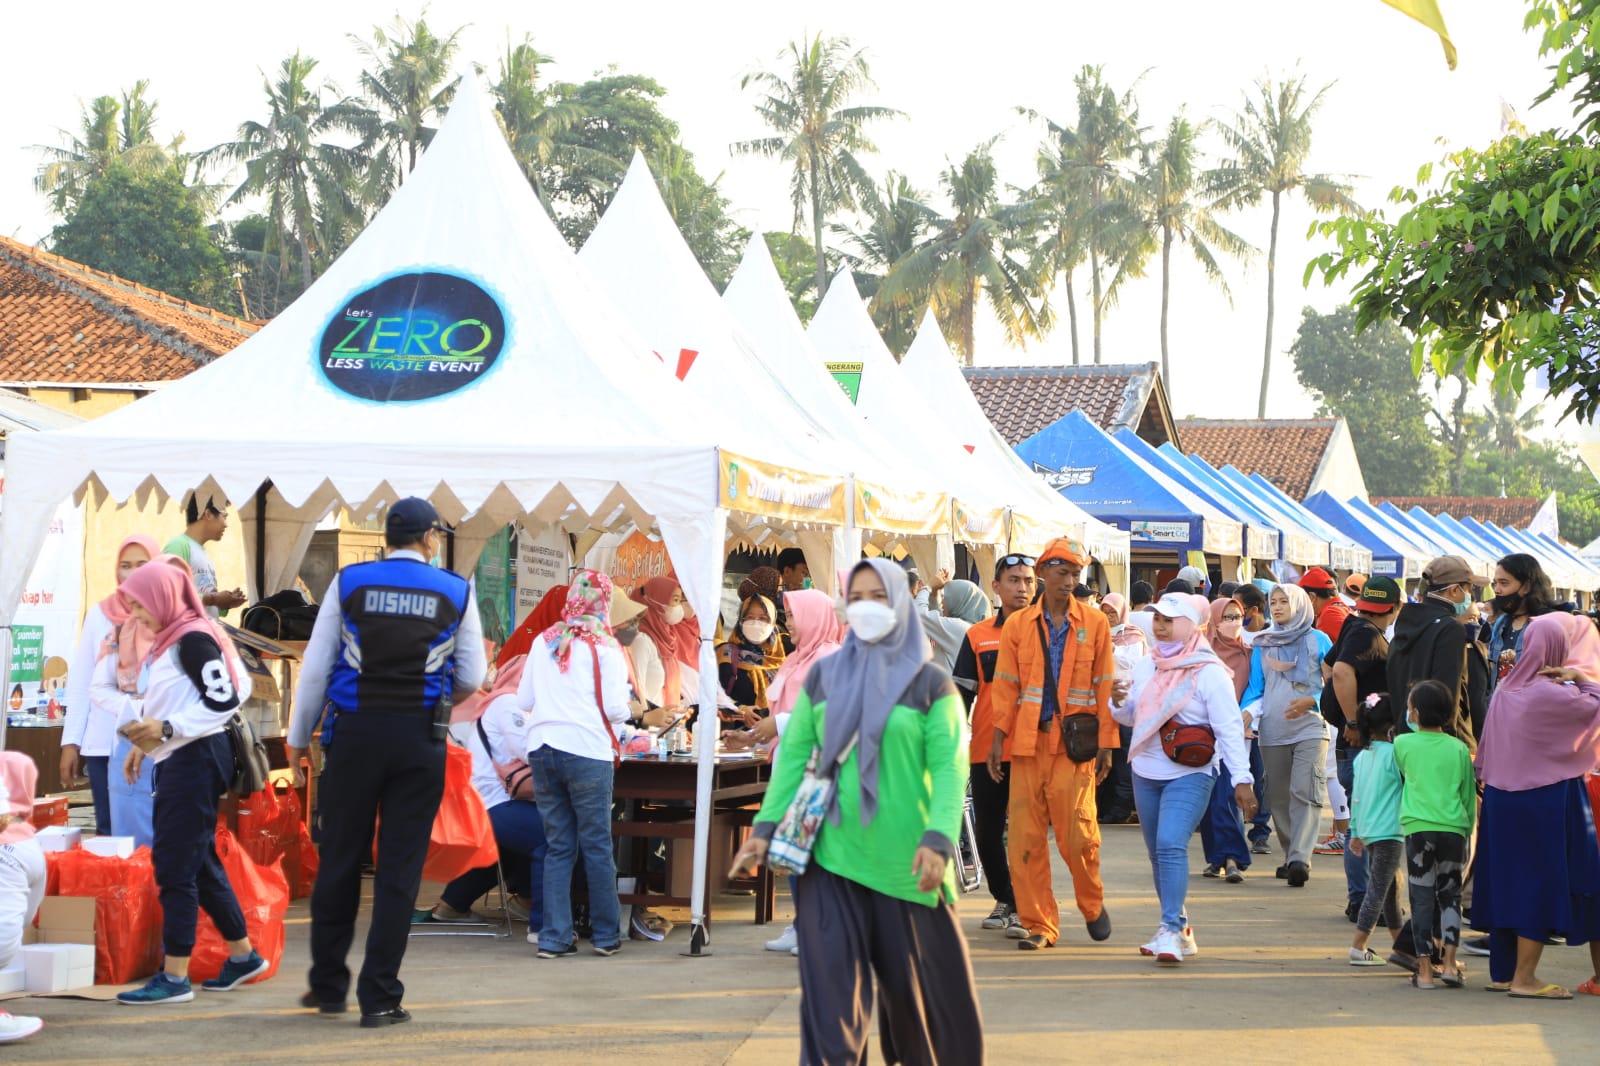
{"type": "Point", "coordinates": [1583, 645]}
{"type": "Point", "coordinates": [128, 637]}
{"type": "Point", "coordinates": [1540, 732]}
{"type": "Point", "coordinates": [1173, 683]}
{"type": "Point", "coordinates": [20, 776]}
{"type": "Point", "coordinates": [817, 634]}
{"type": "Point", "coordinates": [1128, 636]}
{"type": "Point", "coordinates": [168, 593]}
{"type": "Point", "coordinates": [507, 678]}
{"type": "Point", "coordinates": [1233, 651]}
{"type": "Point", "coordinates": [679, 644]}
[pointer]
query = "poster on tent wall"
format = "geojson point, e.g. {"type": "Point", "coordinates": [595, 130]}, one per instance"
{"type": "Point", "coordinates": [48, 614]}
{"type": "Point", "coordinates": [773, 491]}
{"type": "Point", "coordinates": [639, 558]}
{"type": "Point", "coordinates": [492, 579]}
{"type": "Point", "coordinates": [911, 514]}
{"type": "Point", "coordinates": [976, 525]}
{"type": "Point", "coordinates": [543, 561]}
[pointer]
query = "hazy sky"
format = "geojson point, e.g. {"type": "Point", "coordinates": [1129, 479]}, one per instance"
{"type": "Point", "coordinates": [957, 74]}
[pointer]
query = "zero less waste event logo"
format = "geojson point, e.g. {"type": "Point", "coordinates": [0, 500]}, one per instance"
{"type": "Point", "coordinates": [412, 337]}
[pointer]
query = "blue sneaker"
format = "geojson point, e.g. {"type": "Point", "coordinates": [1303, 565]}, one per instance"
{"type": "Point", "coordinates": [159, 989]}
{"type": "Point", "coordinates": [235, 974]}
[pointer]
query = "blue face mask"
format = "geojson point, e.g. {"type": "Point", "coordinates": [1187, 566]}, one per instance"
{"type": "Point", "coordinates": [1462, 607]}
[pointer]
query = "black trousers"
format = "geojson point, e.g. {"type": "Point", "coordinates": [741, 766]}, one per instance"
{"type": "Point", "coordinates": [378, 764]}
{"type": "Point", "coordinates": [990, 798]}
{"type": "Point", "coordinates": [927, 1005]}
{"type": "Point", "coordinates": [189, 785]}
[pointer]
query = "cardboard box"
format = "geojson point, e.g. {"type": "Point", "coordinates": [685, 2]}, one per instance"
{"type": "Point", "coordinates": [59, 838]}
{"type": "Point", "coordinates": [13, 978]}
{"type": "Point", "coordinates": [110, 847]}
{"type": "Point", "coordinates": [51, 810]}
{"type": "Point", "coordinates": [57, 967]}
{"type": "Point", "coordinates": [726, 839]}
{"type": "Point", "coordinates": [67, 920]}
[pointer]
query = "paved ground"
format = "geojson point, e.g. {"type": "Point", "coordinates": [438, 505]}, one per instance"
{"type": "Point", "coordinates": [1270, 985]}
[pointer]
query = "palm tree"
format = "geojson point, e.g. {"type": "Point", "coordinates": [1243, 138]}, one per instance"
{"type": "Point", "coordinates": [1271, 140]}
{"type": "Point", "coordinates": [815, 132]}
{"type": "Point", "coordinates": [1086, 193]}
{"type": "Point", "coordinates": [897, 222]}
{"type": "Point", "coordinates": [316, 189]}
{"type": "Point", "coordinates": [531, 116]}
{"type": "Point", "coordinates": [980, 248]}
{"type": "Point", "coordinates": [1169, 189]}
{"type": "Point", "coordinates": [405, 81]}
{"type": "Point", "coordinates": [110, 131]}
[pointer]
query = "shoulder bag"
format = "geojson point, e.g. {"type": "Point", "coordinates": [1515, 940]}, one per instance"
{"type": "Point", "coordinates": [600, 705]}
{"type": "Point", "coordinates": [514, 774]}
{"type": "Point", "coordinates": [250, 763]}
{"type": "Point", "coordinates": [1188, 745]}
{"type": "Point", "coordinates": [1080, 733]}
{"type": "Point", "coordinates": [791, 844]}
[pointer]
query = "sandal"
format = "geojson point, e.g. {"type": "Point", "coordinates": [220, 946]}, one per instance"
{"type": "Point", "coordinates": [1234, 874]}
{"type": "Point", "coordinates": [1418, 984]}
{"type": "Point", "coordinates": [1547, 992]}
{"type": "Point", "coordinates": [1211, 870]}
{"type": "Point", "coordinates": [1497, 986]}
{"type": "Point", "coordinates": [1454, 979]}
{"type": "Point", "coordinates": [1591, 987]}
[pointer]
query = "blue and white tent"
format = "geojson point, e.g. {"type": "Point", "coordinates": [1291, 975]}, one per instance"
{"type": "Point", "coordinates": [1392, 556]}
{"type": "Point", "coordinates": [1261, 537]}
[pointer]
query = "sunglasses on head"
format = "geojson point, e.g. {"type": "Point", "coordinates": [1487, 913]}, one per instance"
{"type": "Point", "coordinates": [1016, 560]}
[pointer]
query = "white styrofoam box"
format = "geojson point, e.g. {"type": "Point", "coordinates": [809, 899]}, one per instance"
{"type": "Point", "coordinates": [59, 837]}
{"type": "Point", "coordinates": [111, 847]}
{"type": "Point", "coordinates": [13, 978]}
{"type": "Point", "coordinates": [57, 967]}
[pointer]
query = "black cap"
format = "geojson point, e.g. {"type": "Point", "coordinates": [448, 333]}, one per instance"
{"type": "Point", "coordinates": [410, 518]}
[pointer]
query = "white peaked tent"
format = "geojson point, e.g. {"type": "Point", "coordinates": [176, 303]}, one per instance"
{"type": "Point", "coordinates": [453, 352]}
{"type": "Point", "coordinates": [918, 505]}
{"type": "Point", "coordinates": [1038, 512]}
{"type": "Point", "coordinates": [845, 338]}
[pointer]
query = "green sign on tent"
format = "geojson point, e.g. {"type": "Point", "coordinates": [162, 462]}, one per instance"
{"type": "Point", "coordinates": [848, 375]}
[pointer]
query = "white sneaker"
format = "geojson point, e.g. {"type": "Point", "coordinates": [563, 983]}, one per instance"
{"type": "Point", "coordinates": [1168, 948]}
{"type": "Point", "coordinates": [18, 1026]}
{"type": "Point", "coordinates": [795, 951]}
{"type": "Point", "coordinates": [1185, 939]}
{"type": "Point", "coordinates": [787, 942]}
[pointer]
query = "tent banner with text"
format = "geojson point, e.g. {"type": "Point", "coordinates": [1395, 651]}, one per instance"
{"type": "Point", "coordinates": [978, 525]}
{"type": "Point", "coordinates": [773, 491]}
{"type": "Point", "coordinates": [910, 514]}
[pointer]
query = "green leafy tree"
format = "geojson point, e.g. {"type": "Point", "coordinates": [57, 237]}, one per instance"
{"type": "Point", "coordinates": [1179, 212]}
{"type": "Point", "coordinates": [318, 190]}
{"type": "Point", "coordinates": [1271, 144]}
{"type": "Point", "coordinates": [1535, 469]}
{"type": "Point", "coordinates": [1088, 198]}
{"type": "Point", "coordinates": [530, 114]}
{"type": "Point", "coordinates": [979, 249]}
{"type": "Point", "coordinates": [1365, 378]}
{"type": "Point", "coordinates": [111, 132]}
{"type": "Point", "coordinates": [894, 222]}
{"type": "Point", "coordinates": [793, 256]}
{"type": "Point", "coordinates": [404, 80]}
{"type": "Point", "coordinates": [148, 228]}
{"type": "Point", "coordinates": [816, 131]}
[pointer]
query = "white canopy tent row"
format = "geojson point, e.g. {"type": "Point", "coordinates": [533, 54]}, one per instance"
{"type": "Point", "coordinates": [1039, 513]}
{"type": "Point", "coordinates": [637, 255]}
{"type": "Point", "coordinates": [456, 352]}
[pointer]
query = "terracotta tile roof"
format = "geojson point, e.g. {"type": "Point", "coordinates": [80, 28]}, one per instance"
{"type": "Point", "coordinates": [1285, 451]}
{"type": "Point", "coordinates": [1514, 511]}
{"type": "Point", "coordinates": [1022, 400]}
{"type": "Point", "coordinates": [62, 323]}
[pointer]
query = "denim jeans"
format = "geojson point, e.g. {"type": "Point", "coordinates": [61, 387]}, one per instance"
{"type": "Point", "coordinates": [1222, 829]}
{"type": "Point", "coordinates": [1261, 824]}
{"type": "Point", "coordinates": [519, 831]}
{"type": "Point", "coordinates": [574, 795]}
{"type": "Point", "coordinates": [1169, 811]}
{"type": "Point", "coordinates": [96, 769]}
{"type": "Point", "coordinates": [1355, 867]}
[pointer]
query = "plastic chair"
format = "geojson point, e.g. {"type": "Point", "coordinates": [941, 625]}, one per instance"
{"type": "Point", "coordinates": [480, 926]}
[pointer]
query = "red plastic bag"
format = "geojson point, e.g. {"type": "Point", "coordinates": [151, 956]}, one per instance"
{"type": "Point", "coordinates": [462, 837]}
{"type": "Point", "coordinates": [127, 911]}
{"type": "Point", "coordinates": [306, 874]}
{"type": "Point", "coordinates": [263, 897]}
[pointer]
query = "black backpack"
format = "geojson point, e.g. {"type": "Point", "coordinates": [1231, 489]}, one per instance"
{"type": "Point", "coordinates": [282, 616]}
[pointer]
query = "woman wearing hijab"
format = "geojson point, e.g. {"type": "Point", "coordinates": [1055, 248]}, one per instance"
{"type": "Point", "coordinates": [193, 689]}
{"type": "Point", "coordinates": [1222, 834]}
{"type": "Point", "coordinates": [22, 874]}
{"type": "Point", "coordinates": [665, 654]}
{"type": "Point", "coordinates": [1128, 642]}
{"type": "Point", "coordinates": [749, 659]}
{"type": "Point", "coordinates": [545, 613]}
{"type": "Point", "coordinates": [1538, 862]}
{"type": "Point", "coordinates": [766, 581]}
{"type": "Point", "coordinates": [877, 897]}
{"type": "Point", "coordinates": [574, 689]}
{"type": "Point", "coordinates": [109, 632]}
{"type": "Point", "coordinates": [1183, 683]}
{"type": "Point", "coordinates": [1282, 702]}
{"type": "Point", "coordinates": [964, 605]}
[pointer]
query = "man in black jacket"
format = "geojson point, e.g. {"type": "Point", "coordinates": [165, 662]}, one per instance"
{"type": "Point", "coordinates": [1430, 642]}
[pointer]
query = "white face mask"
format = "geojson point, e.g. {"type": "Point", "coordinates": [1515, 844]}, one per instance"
{"type": "Point", "coordinates": [1388, 634]}
{"type": "Point", "coordinates": [870, 621]}
{"type": "Point", "coordinates": [674, 614]}
{"type": "Point", "coordinates": [756, 632]}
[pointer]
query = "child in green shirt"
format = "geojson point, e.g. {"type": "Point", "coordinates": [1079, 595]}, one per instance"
{"type": "Point", "coordinates": [1437, 806]}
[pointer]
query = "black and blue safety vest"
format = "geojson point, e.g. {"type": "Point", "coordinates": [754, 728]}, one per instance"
{"type": "Point", "coordinates": [397, 639]}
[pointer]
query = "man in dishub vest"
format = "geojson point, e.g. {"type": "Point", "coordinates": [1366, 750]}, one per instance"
{"type": "Point", "coordinates": [396, 644]}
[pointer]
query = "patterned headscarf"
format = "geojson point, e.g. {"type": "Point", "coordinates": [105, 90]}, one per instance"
{"type": "Point", "coordinates": [759, 662]}
{"type": "Point", "coordinates": [585, 617]}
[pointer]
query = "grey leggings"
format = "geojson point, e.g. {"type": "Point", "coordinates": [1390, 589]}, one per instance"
{"type": "Point", "coordinates": [1434, 864]}
{"type": "Point", "coordinates": [1383, 883]}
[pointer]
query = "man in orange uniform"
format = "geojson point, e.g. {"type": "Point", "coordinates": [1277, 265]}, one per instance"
{"type": "Point", "coordinates": [1061, 639]}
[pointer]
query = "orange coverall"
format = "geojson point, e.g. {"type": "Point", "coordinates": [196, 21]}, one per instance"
{"type": "Point", "coordinates": [1048, 788]}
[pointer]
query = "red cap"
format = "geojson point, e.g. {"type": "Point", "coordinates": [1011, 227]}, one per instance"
{"type": "Point", "coordinates": [1064, 550]}
{"type": "Point", "coordinates": [1317, 578]}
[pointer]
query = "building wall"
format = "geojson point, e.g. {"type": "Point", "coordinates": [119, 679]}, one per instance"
{"type": "Point", "coordinates": [1339, 473]}
{"type": "Point", "coordinates": [85, 403]}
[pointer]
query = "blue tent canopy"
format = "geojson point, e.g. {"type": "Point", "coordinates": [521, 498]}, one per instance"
{"type": "Point", "coordinates": [1500, 538]}
{"type": "Point", "coordinates": [1391, 556]}
{"type": "Point", "coordinates": [1404, 532]}
{"type": "Point", "coordinates": [1443, 542]}
{"type": "Point", "coordinates": [1295, 545]}
{"type": "Point", "coordinates": [1260, 536]}
{"type": "Point", "coordinates": [1483, 547]}
{"type": "Point", "coordinates": [1346, 554]}
{"type": "Point", "coordinates": [1079, 460]}
{"type": "Point", "coordinates": [1586, 569]}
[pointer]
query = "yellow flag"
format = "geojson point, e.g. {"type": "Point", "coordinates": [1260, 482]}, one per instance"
{"type": "Point", "coordinates": [1427, 13]}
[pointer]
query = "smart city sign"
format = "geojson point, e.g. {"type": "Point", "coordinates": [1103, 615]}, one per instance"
{"type": "Point", "coordinates": [411, 337]}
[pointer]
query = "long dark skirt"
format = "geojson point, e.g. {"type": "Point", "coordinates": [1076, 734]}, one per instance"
{"type": "Point", "coordinates": [1538, 864]}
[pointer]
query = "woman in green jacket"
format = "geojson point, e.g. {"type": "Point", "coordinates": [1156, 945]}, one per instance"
{"type": "Point", "coordinates": [877, 898]}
